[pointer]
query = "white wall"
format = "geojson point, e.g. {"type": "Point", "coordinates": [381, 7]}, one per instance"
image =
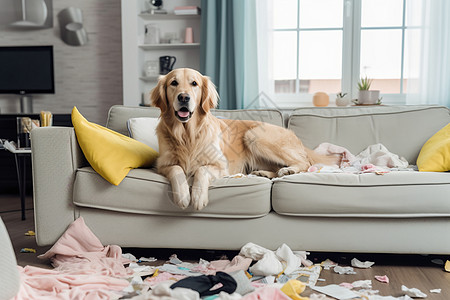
{"type": "Point", "coordinates": [89, 76]}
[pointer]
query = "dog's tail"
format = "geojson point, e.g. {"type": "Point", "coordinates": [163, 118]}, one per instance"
{"type": "Point", "coordinates": [329, 160]}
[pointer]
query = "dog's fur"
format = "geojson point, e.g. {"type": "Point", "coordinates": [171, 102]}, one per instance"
{"type": "Point", "coordinates": [196, 145]}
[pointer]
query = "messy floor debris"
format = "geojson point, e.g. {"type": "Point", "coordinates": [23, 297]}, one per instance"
{"type": "Point", "coordinates": [84, 268]}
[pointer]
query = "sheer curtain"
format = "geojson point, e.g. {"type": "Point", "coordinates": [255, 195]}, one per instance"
{"type": "Point", "coordinates": [428, 48]}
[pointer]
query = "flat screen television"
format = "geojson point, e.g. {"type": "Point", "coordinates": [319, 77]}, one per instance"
{"type": "Point", "coordinates": [26, 70]}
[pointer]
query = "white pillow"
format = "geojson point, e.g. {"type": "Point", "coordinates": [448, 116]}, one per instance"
{"type": "Point", "coordinates": [143, 130]}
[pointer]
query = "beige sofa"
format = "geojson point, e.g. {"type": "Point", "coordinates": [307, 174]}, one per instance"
{"type": "Point", "coordinates": [399, 212]}
{"type": "Point", "coordinates": [9, 274]}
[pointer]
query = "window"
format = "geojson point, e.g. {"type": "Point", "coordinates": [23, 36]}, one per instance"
{"type": "Point", "coordinates": [326, 45]}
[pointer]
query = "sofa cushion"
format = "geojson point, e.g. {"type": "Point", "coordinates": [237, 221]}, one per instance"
{"type": "Point", "coordinates": [395, 194]}
{"type": "Point", "coordinates": [144, 191]}
{"type": "Point", "coordinates": [144, 130]}
{"type": "Point", "coordinates": [402, 129]}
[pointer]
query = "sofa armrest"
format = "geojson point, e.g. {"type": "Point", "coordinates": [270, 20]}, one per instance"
{"type": "Point", "coordinates": [9, 274]}
{"type": "Point", "coordinates": [56, 156]}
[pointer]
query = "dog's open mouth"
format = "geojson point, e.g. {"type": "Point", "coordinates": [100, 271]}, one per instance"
{"type": "Point", "coordinates": [183, 114]}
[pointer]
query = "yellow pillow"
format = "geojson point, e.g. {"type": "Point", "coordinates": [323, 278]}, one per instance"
{"type": "Point", "coordinates": [111, 154]}
{"type": "Point", "coordinates": [435, 153]}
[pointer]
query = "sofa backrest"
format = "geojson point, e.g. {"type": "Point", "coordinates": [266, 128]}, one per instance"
{"type": "Point", "coordinates": [118, 115]}
{"type": "Point", "coordinates": [402, 129]}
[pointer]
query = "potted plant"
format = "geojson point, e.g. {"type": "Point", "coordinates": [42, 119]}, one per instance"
{"type": "Point", "coordinates": [366, 95]}
{"type": "Point", "coordinates": [342, 100]}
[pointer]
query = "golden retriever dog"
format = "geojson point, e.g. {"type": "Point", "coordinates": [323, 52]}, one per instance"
{"type": "Point", "coordinates": [197, 147]}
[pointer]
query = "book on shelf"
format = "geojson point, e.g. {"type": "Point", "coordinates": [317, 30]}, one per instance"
{"type": "Point", "coordinates": [187, 10]}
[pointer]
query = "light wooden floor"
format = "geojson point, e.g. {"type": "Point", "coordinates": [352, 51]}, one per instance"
{"type": "Point", "coordinates": [416, 271]}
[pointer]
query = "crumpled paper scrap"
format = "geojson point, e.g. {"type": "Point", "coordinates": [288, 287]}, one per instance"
{"type": "Point", "coordinates": [328, 264]}
{"type": "Point", "coordinates": [147, 259]}
{"type": "Point", "coordinates": [383, 278]}
{"type": "Point", "coordinates": [413, 292]}
{"type": "Point", "coordinates": [435, 291]}
{"type": "Point", "coordinates": [175, 260]}
{"type": "Point", "coordinates": [344, 270]}
{"type": "Point", "coordinates": [362, 265]}
{"type": "Point", "coordinates": [364, 284]}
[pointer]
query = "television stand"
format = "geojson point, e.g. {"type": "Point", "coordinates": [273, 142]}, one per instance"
{"type": "Point", "coordinates": [26, 104]}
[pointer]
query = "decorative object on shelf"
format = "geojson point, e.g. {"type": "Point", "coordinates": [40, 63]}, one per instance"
{"type": "Point", "coordinates": [158, 10]}
{"type": "Point", "coordinates": [366, 95]}
{"type": "Point", "coordinates": [24, 127]}
{"type": "Point", "coordinates": [187, 10]}
{"type": "Point", "coordinates": [189, 35]}
{"type": "Point", "coordinates": [46, 118]}
{"type": "Point", "coordinates": [34, 13]}
{"type": "Point", "coordinates": [321, 99]}
{"type": "Point", "coordinates": [151, 68]}
{"type": "Point", "coordinates": [151, 34]}
{"type": "Point", "coordinates": [71, 27]}
{"type": "Point", "coordinates": [342, 99]}
{"type": "Point", "coordinates": [166, 64]}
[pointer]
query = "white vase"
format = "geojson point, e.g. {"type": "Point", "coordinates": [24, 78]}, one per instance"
{"type": "Point", "coordinates": [368, 97]}
{"type": "Point", "coordinates": [344, 101]}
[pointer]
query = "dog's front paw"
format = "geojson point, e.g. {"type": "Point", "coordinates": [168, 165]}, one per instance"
{"type": "Point", "coordinates": [181, 196]}
{"type": "Point", "coordinates": [199, 198]}
{"type": "Point", "coordinates": [286, 171]}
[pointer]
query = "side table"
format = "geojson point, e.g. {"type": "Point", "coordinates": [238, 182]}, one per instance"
{"type": "Point", "coordinates": [20, 156]}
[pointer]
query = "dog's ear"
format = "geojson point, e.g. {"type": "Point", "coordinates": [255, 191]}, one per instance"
{"type": "Point", "coordinates": [209, 95]}
{"type": "Point", "coordinates": [158, 94]}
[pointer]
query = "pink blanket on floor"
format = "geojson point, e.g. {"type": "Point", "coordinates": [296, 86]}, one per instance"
{"type": "Point", "coordinates": [39, 283]}
{"type": "Point", "coordinates": [84, 269]}
{"type": "Point", "coordinates": [78, 249]}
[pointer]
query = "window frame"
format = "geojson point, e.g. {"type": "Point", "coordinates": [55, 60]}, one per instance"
{"type": "Point", "coordinates": [351, 57]}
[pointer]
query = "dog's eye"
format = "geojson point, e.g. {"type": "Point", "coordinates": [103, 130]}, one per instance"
{"type": "Point", "coordinates": [194, 83]}
{"type": "Point", "coordinates": [174, 83]}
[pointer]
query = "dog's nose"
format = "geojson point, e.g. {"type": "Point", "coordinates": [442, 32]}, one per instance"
{"type": "Point", "coordinates": [184, 98]}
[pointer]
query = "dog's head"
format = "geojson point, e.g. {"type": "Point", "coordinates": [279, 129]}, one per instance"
{"type": "Point", "coordinates": [184, 93]}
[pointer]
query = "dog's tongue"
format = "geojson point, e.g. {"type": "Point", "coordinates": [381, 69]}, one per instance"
{"type": "Point", "coordinates": [183, 114]}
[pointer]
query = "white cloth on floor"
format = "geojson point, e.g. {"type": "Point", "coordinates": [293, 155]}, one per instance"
{"type": "Point", "coordinates": [267, 262]}
{"type": "Point", "coordinates": [271, 262]}
{"type": "Point", "coordinates": [292, 261]}
{"type": "Point", "coordinates": [163, 292]}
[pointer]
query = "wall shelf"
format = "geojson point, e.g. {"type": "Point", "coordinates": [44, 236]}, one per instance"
{"type": "Point", "coordinates": [168, 46]}
{"type": "Point", "coordinates": [147, 16]}
{"type": "Point", "coordinates": [136, 52]}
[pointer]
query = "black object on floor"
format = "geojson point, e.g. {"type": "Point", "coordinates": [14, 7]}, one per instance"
{"type": "Point", "coordinates": [204, 283]}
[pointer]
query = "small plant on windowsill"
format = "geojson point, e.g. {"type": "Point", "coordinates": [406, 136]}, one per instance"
{"type": "Point", "coordinates": [364, 84]}
{"type": "Point", "coordinates": [366, 96]}
{"type": "Point", "coordinates": [342, 100]}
